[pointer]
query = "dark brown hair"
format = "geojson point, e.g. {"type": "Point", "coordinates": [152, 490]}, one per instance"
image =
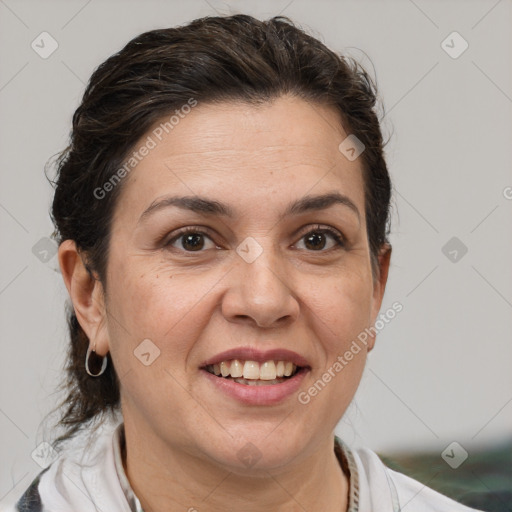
{"type": "Point", "coordinates": [212, 59]}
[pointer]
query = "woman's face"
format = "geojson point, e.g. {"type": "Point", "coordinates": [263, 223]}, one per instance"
{"type": "Point", "coordinates": [260, 270]}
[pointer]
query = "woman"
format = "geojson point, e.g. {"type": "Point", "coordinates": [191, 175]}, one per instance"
{"type": "Point", "coordinates": [222, 214]}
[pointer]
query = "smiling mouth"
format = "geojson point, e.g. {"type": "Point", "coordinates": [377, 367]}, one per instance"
{"type": "Point", "coordinates": [252, 373]}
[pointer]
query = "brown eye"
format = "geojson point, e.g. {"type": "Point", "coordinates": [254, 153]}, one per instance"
{"type": "Point", "coordinates": [189, 240]}
{"type": "Point", "coordinates": [316, 239]}
{"type": "Point", "coordinates": [192, 242]}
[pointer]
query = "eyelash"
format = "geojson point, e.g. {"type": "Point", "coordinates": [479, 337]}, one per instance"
{"type": "Point", "coordinates": [338, 238]}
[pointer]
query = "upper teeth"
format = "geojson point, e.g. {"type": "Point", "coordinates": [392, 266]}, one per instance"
{"type": "Point", "coordinates": [268, 370]}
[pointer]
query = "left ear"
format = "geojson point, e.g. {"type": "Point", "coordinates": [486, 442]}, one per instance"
{"type": "Point", "coordinates": [379, 286]}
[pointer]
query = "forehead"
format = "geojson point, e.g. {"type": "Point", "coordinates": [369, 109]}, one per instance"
{"type": "Point", "coordinates": [288, 145]}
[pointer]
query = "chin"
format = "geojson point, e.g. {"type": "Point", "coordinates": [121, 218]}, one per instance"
{"type": "Point", "coordinates": [251, 454]}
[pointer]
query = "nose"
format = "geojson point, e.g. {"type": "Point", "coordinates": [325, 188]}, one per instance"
{"type": "Point", "coordinates": [260, 292]}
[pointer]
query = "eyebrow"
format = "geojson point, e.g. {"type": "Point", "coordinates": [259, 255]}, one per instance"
{"type": "Point", "coordinates": [205, 206]}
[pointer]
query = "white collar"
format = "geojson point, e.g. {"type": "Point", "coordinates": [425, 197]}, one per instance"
{"type": "Point", "coordinates": [89, 476]}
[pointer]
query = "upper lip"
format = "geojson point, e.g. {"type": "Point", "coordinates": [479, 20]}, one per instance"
{"type": "Point", "coordinates": [260, 356]}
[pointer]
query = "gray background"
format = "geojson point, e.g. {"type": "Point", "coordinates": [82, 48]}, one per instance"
{"type": "Point", "coordinates": [440, 371]}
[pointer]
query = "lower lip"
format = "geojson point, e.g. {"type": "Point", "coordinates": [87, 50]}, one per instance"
{"type": "Point", "coordinates": [269, 394]}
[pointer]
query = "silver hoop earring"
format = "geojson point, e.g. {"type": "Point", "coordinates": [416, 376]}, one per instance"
{"type": "Point", "coordinates": [103, 365]}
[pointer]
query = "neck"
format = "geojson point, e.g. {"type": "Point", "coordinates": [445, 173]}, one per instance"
{"type": "Point", "coordinates": [166, 479]}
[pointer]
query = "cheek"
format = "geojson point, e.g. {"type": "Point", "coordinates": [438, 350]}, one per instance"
{"type": "Point", "coordinates": [161, 304]}
{"type": "Point", "coordinates": [340, 312]}
{"type": "Point", "coordinates": [170, 310]}
{"type": "Point", "coordinates": [341, 304]}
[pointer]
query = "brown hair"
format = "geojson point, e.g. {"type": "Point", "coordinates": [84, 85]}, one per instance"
{"type": "Point", "coordinates": [212, 59]}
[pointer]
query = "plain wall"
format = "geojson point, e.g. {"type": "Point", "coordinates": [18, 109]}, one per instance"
{"type": "Point", "coordinates": [440, 371]}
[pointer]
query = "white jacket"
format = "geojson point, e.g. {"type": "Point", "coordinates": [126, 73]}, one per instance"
{"type": "Point", "coordinates": [88, 476]}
